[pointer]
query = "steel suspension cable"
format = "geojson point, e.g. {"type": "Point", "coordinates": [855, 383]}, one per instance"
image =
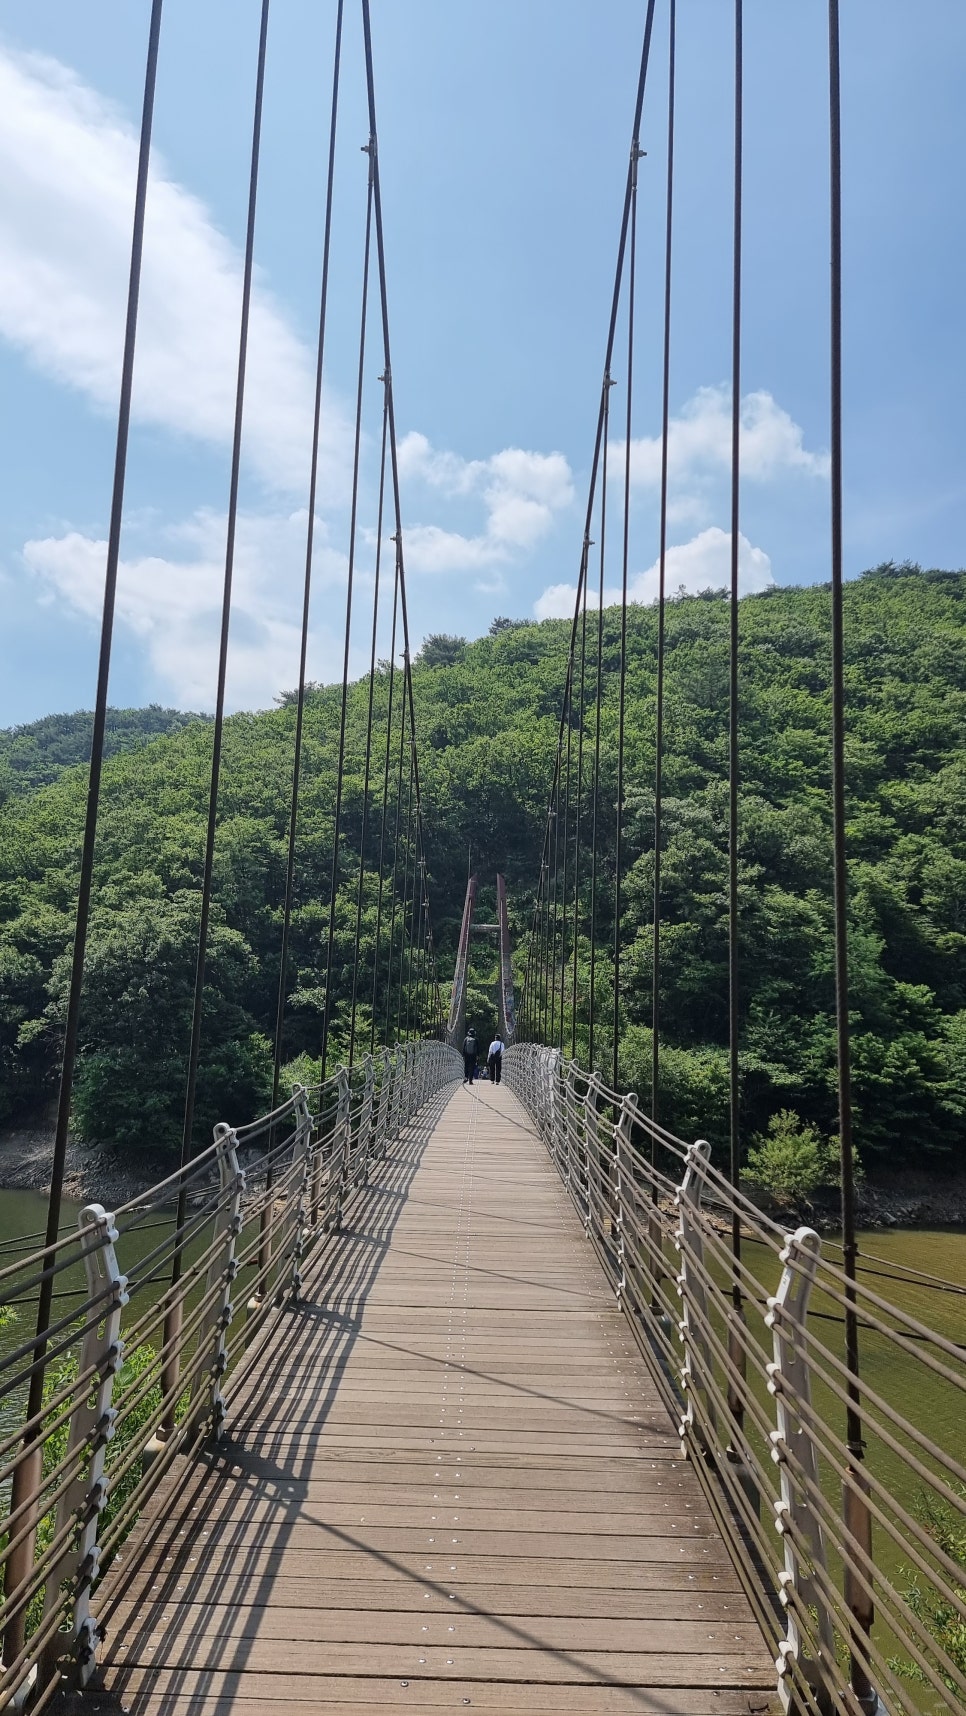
{"type": "Point", "coordinates": [858, 1517]}
{"type": "Point", "coordinates": [393, 444]}
{"type": "Point", "coordinates": [598, 701]}
{"type": "Point", "coordinates": [307, 585]}
{"type": "Point", "coordinates": [629, 195]}
{"type": "Point", "coordinates": [733, 708]}
{"type": "Point", "coordinates": [343, 712]}
{"type": "Point", "coordinates": [369, 724]}
{"type": "Point", "coordinates": [395, 861]}
{"type": "Point", "coordinates": [555, 887]}
{"type": "Point", "coordinates": [636, 153]}
{"type": "Point", "coordinates": [92, 809]}
{"type": "Point", "coordinates": [736, 1347]}
{"type": "Point", "coordinates": [578, 830]}
{"type": "Point", "coordinates": [566, 853]}
{"type": "Point", "coordinates": [385, 799]}
{"type": "Point", "coordinates": [661, 606]}
{"type": "Point", "coordinates": [214, 784]}
{"type": "Point", "coordinates": [409, 849]}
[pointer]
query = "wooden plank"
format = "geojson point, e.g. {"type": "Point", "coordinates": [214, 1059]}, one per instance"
{"type": "Point", "coordinates": [450, 1481]}
{"type": "Point", "coordinates": [215, 1692]}
{"type": "Point", "coordinates": [178, 1648]}
{"type": "Point", "coordinates": [216, 1622]}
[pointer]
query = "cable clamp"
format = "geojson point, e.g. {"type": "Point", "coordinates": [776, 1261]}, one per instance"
{"type": "Point", "coordinates": [779, 1447]}
{"type": "Point", "coordinates": [103, 1431]}
{"type": "Point", "coordinates": [786, 1659]}
{"type": "Point", "coordinates": [89, 1635]}
{"type": "Point", "coordinates": [90, 1566]}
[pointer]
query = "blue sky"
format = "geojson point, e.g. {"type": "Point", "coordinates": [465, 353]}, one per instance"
{"type": "Point", "coordinates": [504, 132]}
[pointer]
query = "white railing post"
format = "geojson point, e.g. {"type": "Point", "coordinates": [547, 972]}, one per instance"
{"type": "Point", "coordinates": [562, 1147]}
{"type": "Point", "coordinates": [224, 1268]}
{"type": "Point", "coordinates": [790, 1383]}
{"type": "Point", "coordinates": [696, 1365]}
{"type": "Point", "coordinates": [91, 1426]}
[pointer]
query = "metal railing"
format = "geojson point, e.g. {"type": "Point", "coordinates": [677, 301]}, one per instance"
{"type": "Point", "coordinates": [854, 1559]}
{"type": "Point", "coordinates": [136, 1368]}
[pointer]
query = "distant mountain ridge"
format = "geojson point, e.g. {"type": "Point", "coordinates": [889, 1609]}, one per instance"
{"type": "Point", "coordinates": [36, 753]}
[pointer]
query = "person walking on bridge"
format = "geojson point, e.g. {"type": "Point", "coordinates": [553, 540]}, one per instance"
{"type": "Point", "coordinates": [494, 1060]}
{"type": "Point", "coordinates": [469, 1056]}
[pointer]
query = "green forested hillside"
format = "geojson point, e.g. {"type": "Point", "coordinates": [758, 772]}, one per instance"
{"type": "Point", "coordinates": [488, 715]}
{"type": "Point", "coordinates": [35, 754]}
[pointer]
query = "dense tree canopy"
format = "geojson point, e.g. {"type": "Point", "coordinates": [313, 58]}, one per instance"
{"type": "Point", "coordinates": [488, 715]}
{"type": "Point", "coordinates": [35, 754]}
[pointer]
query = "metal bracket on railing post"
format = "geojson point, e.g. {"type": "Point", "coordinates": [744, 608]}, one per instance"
{"type": "Point", "coordinates": [224, 1268]}
{"type": "Point", "coordinates": [298, 1225]}
{"type": "Point", "coordinates": [342, 1144]}
{"type": "Point", "coordinates": [790, 1383]}
{"type": "Point", "coordinates": [91, 1426]}
{"type": "Point", "coordinates": [696, 1364]}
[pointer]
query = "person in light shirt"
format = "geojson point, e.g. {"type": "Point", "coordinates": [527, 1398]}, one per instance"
{"type": "Point", "coordinates": [494, 1060]}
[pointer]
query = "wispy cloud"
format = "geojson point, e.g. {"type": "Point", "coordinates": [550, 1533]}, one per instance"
{"type": "Point", "coordinates": [68, 162]}
{"type": "Point", "coordinates": [704, 563]}
{"type": "Point", "coordinates": [521, 494]}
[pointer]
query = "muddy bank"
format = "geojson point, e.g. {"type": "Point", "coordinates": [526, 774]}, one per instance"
{"type": "Point", "coordinates": [93, 1174]}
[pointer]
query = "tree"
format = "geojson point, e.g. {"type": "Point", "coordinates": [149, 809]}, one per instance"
{"type": "Point", "coordinates": [440, 649]}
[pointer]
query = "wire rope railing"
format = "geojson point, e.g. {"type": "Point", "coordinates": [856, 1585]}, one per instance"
{"type": "Point", "coordinates": [134, 1377]}
{"type": "Point", "coordinates": [763, 1397]}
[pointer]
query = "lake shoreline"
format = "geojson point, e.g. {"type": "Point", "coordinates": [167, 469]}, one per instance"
{"type": "Point", "coordinates": [97, 1174]}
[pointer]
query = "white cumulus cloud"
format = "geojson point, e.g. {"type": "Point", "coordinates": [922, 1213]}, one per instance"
{"type": "Point", "coordinates": [171, 602]}
{"type": "Point", "coordinates": [771, 445]}
{"type": "Point", "coordinates": [521, 494]}
{"type": "Point", "coordinates": [704, 563]}
{"type": "Point", "coordinates": [68, 164]}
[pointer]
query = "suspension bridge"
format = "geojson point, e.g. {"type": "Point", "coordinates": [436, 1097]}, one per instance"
{"type": "Point", "coordinates": [417, 1394]}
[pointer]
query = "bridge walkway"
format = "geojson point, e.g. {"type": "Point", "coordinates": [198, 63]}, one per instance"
{"type": "Point", "coordinates": [454, 1485]}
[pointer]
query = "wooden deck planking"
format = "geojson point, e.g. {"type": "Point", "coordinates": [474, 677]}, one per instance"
{"type": "Point", "coordinates": [453, 1484]}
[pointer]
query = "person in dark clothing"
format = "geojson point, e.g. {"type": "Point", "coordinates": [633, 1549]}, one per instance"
{"type": "Point", "coordinates": [469, 1056]}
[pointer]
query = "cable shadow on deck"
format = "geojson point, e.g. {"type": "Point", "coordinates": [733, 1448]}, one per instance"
{"type": "Point", "coordinates": [169, 1545]}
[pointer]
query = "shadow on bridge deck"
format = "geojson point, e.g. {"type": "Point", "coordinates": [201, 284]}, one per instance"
{"type": "Point", "coordinates": [448, 1482]}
